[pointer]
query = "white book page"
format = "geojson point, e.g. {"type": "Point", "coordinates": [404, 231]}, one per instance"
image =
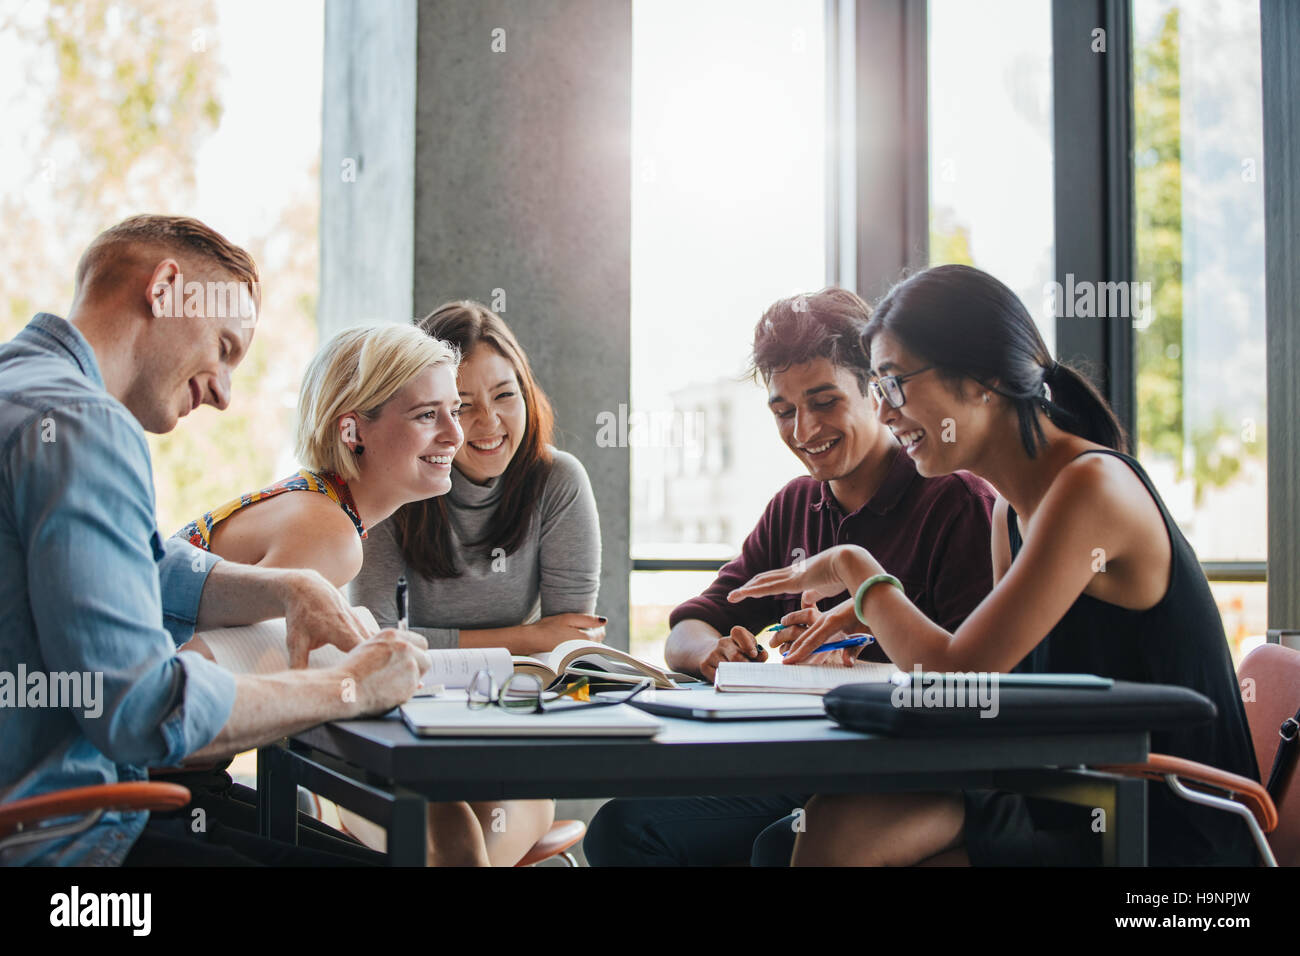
{"type": "Point", "coordinates": [455, 667]}
{"type": "Point", "coordinates": [602, 657]}
{"type": "Point", "coordinates": [553, 657]}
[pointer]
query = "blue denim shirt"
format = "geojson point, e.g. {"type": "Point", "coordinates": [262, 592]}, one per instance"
{"type": "Point", "coordinates": [90, 594]}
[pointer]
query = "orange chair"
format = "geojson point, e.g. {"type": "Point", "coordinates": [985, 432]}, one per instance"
{"type": "Point", "coordinates": [557, 841]}
{"type": "Point", "coordinates": [87, 803]}
{"type": "Point", "coordinates": [1271, 673]}
{"type": "Point", "coordinates": [90, 803]}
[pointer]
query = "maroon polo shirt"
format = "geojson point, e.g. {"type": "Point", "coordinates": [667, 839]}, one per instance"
{"type": "Point", "coordinates": [931, 533]}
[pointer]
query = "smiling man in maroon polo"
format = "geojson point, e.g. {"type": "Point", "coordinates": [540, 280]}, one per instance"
{"type": "Point", "coordinates": [861, 488]}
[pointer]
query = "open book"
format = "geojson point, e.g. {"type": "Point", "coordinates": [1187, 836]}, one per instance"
{"type": "Point", "coordinates": [260, 649]}
{"type": "Point", "coordinates": [598, 661]}
{"type": "Point", "coordinates": [798, 678]}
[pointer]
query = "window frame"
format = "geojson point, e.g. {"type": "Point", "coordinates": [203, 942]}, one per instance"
{"type": "Point", "coordinates": [876, 52]}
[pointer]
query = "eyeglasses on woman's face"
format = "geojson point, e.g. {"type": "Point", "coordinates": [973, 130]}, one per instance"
{"type": "Point", "coordinates": [889, 388]}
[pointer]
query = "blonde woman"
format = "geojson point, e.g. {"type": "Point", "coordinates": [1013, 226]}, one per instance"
{"type": "Point", "coordinates": [378, 428]}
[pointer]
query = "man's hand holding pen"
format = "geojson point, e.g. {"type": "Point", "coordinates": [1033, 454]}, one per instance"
{"type": "Point", "coordinates": [739, 645]}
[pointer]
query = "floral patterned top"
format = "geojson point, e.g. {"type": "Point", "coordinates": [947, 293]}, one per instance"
{"type": "Point", "coordinates": [199, 532]}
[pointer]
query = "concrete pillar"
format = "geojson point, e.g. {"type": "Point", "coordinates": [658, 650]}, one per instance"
{"type": "Point", "coordinates": [367, 235]}
{"type": "Point", "coordinates": [492, 148]}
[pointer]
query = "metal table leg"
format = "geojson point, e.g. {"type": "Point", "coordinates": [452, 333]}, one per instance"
{"type": "Point", "coordinates": [1125, 843]}
{"type": "Point", "coordinates": [407, 829]}
{"type": "Point", "coordinates": [277, 795]}
{"type": "Point", "coordinates": [1121, 800]}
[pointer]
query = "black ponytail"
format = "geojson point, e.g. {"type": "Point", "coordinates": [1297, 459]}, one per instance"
{"type": "Point", "coordinates": [1076, 406]}
{"type": "Point", "coordinates": [970, 325]}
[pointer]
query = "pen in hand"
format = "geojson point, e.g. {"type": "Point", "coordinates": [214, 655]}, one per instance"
{"type": "Point", "coordinates": [403, 625]}
{"type": "Point", "coordinates": [758, 638]}
{"type": "Point", "coordinates": [853, 640]}
{"type": "Point", "coordinates": [401, 604]}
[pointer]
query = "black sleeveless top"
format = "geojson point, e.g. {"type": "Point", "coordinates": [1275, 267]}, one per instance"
{"type": "Point", "coordinates": [1178, 641]}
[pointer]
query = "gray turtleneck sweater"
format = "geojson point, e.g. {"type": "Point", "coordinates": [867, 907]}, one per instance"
{"type": "Point", "coordinates": [555, 571]}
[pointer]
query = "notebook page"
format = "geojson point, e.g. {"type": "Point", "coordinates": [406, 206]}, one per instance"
{"type": "Point", "coordinates": [255, 649]}
{"type": "Point", "coordinates": [744, 675]}
{"type": "Point", "coordinates": [260, 648]}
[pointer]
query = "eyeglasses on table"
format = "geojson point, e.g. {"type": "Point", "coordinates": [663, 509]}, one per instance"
{"type": "Point", "coordinates": [524, 694]}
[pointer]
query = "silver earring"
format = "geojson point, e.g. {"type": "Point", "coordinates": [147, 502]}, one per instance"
{"type": "Point", "coordinates": [986, 398]}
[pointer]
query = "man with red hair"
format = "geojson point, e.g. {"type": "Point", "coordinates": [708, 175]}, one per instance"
{"type": "Point", "coordinates": [89, 588]}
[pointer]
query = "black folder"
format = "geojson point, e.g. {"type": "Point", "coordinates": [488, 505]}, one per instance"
{"type": "Point", "coordinates": [909, 711]}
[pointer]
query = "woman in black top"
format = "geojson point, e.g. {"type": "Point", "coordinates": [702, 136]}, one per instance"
{"type": "Point", "coordinates": [1090, 575]}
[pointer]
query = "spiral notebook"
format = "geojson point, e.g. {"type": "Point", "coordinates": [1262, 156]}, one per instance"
{"type": "Point", "coordinates": [798, 678]}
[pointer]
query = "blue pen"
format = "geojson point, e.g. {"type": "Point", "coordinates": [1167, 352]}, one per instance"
{"type": "Point", "coordinates": [853, 640]}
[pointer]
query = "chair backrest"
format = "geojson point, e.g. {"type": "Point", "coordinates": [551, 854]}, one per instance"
{"type": "Point", "coordinates": [1270, 685]}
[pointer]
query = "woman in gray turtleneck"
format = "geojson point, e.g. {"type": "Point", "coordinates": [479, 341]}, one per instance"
{"type": "Point", "coordinates": [511, 556]}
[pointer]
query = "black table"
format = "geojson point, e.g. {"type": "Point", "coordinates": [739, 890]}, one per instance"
{"type": "Point", "coordinates": [382, 771]}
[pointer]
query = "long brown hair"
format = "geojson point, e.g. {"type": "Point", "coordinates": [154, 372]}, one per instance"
{"type": "Point", "coordinates": [423, 528]}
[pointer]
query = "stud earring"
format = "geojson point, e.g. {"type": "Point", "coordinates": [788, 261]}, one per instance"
{"type": "Point", "coordinates": [360, 449]}
{"type": "Point", "coordinates": [986, 398]}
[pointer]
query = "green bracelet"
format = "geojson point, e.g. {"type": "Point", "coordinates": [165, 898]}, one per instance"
{"type": "Point", "coordinates": [865, 585]}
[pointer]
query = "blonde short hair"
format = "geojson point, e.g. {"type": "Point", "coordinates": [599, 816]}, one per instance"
{"type": "Point", "coordinates": [358, 370]}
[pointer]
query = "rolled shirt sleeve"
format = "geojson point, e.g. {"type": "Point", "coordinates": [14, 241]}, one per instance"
{"type": "Point", "coordinates": [182, 572]}
{"type": "Point", "coordinates": [96, 573]}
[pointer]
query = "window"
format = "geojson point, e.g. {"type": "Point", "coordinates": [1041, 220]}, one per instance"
{"type": "Point", "coordinates": [189, 134]}
{"type": "Point", "coordinates": [728, 215]}
{"type": "Point", "coordinates": [1199, 347]}
{"type": "Point", "coordinates": [990, 121]}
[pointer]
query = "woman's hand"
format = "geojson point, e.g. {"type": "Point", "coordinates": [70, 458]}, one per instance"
{"type": "Point", "coordinates": [546, 634]}
{"type": "Point", "coordinates": [824, 575]}
{"type": "Point", "coordinates": [809, 628]}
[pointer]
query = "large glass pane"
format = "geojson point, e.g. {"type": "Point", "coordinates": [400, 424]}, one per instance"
{"type": "Point", "coordinates": [991, 186]}
{"type": "Point", "coordinates": [118, 108]}
{"type": "Point", "coordinates": [1200, 246]}
{"type": "Point", "coordinates": [728, 215]}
